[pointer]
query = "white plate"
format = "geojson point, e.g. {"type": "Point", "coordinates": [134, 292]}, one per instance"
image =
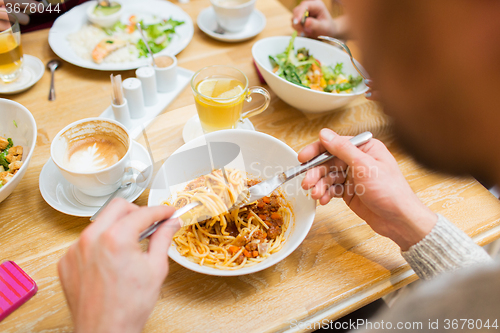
{"type": "Point", "coordinates": [193, 129]}
{"type": "Point", "coordinates": [62, 196]}
{"type": "Point", "coordinates": [263, 156]}
{"type": "Point", "coordinates": [207, 23]}
{"type": "Point", "coordinates": [32, 72]}
{"type": "Point", "coordinates": [73, 20]}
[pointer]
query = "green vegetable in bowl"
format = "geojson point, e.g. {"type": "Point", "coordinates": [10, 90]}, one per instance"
{"type": "Point", "coordinates": [4, 153]}
{"type": "Point", "coordinates": [10, 160]}
{"type": "Point", "coordinates": [301, 68]}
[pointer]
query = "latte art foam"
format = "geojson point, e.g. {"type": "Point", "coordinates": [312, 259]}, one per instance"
{"type": "Point", "coordinates": [94, 153]}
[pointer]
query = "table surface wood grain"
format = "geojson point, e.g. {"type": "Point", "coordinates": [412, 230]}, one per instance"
{"type": "Point", "coordinates": [341, 265]}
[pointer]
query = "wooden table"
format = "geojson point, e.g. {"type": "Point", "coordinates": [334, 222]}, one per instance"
{"type": "Point", "coordinates": [341, 266]}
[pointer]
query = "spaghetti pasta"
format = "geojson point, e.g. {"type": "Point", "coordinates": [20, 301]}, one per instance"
{"type": "Point", "coordinates": [229, 240]}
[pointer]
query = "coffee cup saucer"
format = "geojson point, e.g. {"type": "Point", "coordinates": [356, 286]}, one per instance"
{"type": "Point", "coordinates": [193, 129]}
{"type": "Point", "coordinates": [32, 72]}
{"type": "Point", "coordinates": [207, 23]}
{"type": "Point", "coordinates": [64, 197]}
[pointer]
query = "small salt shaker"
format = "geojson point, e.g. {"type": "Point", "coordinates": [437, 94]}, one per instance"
{"type": "Point", "coordinates": [132, 89]}
{"type": "Point", "coordinates": [148, 79]}
{"type": "Point", "coordinates": [166, 73]}
{"type": "Point", "coordinates": [121, 112]}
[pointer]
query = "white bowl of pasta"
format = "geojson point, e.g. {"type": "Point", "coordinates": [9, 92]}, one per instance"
{"type": "Point", "coordinates": [244, 241]}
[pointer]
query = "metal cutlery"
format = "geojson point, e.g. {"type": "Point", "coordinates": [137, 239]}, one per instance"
{"type": "Point", "coordinates": [111, 197]}
{"type": "Point", "coordinates": [52, 66]}
{"type": "Point", "coordinates": [138, 25]}
{"type": "Point", "coordinates": [304, 17]}
{"type": "Point", "coordinates": [267, 187]}
{"type": "Point", "coordinates": [264, 188]}
{"type": "Point", "coordinates": [178, 213]}
{"type": "Point", "coordinates": [219, 30]}
{"type": "Point", "coordinates": [343, 45]}
{"type": "Point", "coordinates": [130, 178]}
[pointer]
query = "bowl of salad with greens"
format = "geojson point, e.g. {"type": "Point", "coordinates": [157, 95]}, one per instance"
{"type": "Point", "coordinates": [18, 134]}
{"type": "Point", "coordinates": [310, 75]}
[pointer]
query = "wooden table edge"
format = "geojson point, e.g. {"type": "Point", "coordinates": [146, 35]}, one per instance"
{"type": "Point", "coordinates": [357, 300]}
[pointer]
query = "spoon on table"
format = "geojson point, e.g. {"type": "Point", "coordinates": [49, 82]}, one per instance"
{"type": "Point", "coordinates": [356, 64]}
{"type": "Point", "coordinates": [52, 66]}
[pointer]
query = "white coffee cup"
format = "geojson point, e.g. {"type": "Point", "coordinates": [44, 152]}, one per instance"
{"type": "Point", "coordinates": [233, 15]}
{"type": "Point", "coordinates": [93, 154]}
{"type": "Point", "coordinates": [166, 76]}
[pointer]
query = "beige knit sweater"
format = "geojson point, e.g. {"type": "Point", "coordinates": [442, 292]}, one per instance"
{"type": "Point", "coordinates": [463, 296]}
{"type": "Point", "coordinates": [446, 248]}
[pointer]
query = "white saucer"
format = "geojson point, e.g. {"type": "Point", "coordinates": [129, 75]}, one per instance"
{"type": "Point", "coordinates": [64, 197]}
{"type": "Point", "coordinates": [32, 72]}
{"type": "Point", "coordinates": [207, 23]}
{"type": "Point", "coordinates": [193, 129]}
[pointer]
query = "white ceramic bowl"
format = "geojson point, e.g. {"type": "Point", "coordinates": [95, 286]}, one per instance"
{"type": "Point", "coordinates": [304, 99]}
{"type": "Point", "coordinates": [106, 21]}
{"type": "Point", "coordinates": [262, 156]}
{"type": "Point", "coordinates": [24, 134]}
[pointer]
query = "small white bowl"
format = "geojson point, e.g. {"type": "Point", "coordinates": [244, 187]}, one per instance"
{"type": "Point", "coordinates": [304, 99]}
{"type": "Point", "coordinates": [17, 123]}
{"type": "Point", "coordinates": [104, 21]}
{"type": "Point", "coordinates": [259, 154]}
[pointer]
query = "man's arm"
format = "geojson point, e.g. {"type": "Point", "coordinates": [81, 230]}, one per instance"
{"type": "Point", "coordinates": [370, 182]}
{"type": "Point", "coordinates": [446, 248]}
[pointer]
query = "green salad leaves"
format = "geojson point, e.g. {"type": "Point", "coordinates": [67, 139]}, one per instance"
{"type": "Point", "coordinates": [159, 36]}
{"type": "Point", "coordinates": [301, 68]}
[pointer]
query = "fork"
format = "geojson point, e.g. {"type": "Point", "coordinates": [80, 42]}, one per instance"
{"type": "Point", "coordinates": [265, 188]}
{"type": "Point", "coordinates": [178, 213]}
{"type": "Point", "coordinates": [361, 70]}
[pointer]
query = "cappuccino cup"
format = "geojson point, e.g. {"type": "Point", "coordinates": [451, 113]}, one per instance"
{"type": "Point", "coordinates": [93, 155]}
{"type": "Point", "coordinates": [233, 15]}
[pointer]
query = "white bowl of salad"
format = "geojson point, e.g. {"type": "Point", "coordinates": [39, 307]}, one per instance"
{"type": "Point", "coordinates": [17, 142]}
{"type": "Point", "coordinates": [310, 75]}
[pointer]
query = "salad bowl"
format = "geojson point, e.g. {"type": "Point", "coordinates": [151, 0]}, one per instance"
{"type": "Point", "coordinates": [303, 98]}
{"type": "Point", "coordinates": [19, 125]}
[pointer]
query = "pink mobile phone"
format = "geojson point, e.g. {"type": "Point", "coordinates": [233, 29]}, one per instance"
{"type": "Point", "coordinates": [16, 287]}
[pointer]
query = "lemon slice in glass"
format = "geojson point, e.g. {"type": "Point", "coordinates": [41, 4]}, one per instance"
{"type": "Point", "coordinates": [228, 94]}
{"type": "Point", "coordinates": [206, 87]}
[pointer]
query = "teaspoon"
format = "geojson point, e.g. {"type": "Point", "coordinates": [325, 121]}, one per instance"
{"type": "Point", "coordinates": [52, 66]}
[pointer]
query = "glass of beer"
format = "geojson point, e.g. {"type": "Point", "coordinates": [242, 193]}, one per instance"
{"type": "Point", "coordinates": [11, 53]}
{"type": "Point", "coordinates": [219, 94]}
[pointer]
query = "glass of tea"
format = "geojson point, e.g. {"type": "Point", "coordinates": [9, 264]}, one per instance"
{"type": "Point", "coordinates": [219, 93]}
{"type": "Point", "coordinates": [11, 53]}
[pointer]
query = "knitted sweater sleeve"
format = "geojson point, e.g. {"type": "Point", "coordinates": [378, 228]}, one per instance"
{"type": "Point", "coordinates": [445, 248]}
